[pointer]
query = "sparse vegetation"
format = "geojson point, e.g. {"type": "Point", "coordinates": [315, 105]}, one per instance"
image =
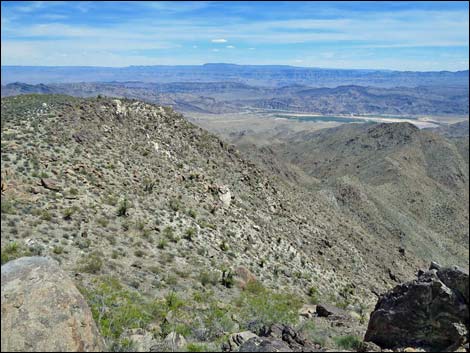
{"type": "Point", "coordinates": [13, 250]}
{"type": "Point", "coordinates": [91, 263]}
{"type": "Point", "coordinates": [348, 342]}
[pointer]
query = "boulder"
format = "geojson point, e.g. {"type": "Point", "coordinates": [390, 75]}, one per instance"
{"type": "Point", "coordinates": [142, 340]}
{"type": "Point", "coordinates": [174, 342]}
{"type": "Point", "coordinates": [237, 339]}
{"type": "Point", "coordinates": [430, 312]}
{"type": "Point", "coordinates": [43, 311]}
{"type": "Point", "coordinates": [286, 334]}
{"type": "Point", "coordinates": [325, 310]}
{"type": "Point", "coordinates": [307, 310]}
{"type": "Point", "coordinates": [263, 344]}
{"type": "Point", "coordinates": [50, 184]}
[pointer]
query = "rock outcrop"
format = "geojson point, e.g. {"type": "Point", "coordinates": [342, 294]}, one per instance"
{"type": "Point", "coordinates": [277, 338]}
{"type": "Point", "coordinates": [430, 312]}
{"type": "Point", "coordinates": [43, 311]}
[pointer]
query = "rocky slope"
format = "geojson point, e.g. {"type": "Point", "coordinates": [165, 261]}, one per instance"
{"type": "Point", "coordinates": [145, 210]}
{"type": "Point", "coordinates": [397, 181]}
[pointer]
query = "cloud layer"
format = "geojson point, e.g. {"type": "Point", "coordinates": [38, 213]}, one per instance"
{"type": "Point", "coordinates": [407, 36]}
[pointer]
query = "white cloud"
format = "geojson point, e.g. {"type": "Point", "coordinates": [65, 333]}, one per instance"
{"type": "Point", "coordinates": [216, 50]}
{"type": "Point", "coordinates": [230, 47]}
{"type": "Point", "coordinates": [221, 40]}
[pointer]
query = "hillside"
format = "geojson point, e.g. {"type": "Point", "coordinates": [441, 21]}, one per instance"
{"type": "Point", "coordinates": [132, 193]}
{"type": "Point", "coordinates": [399, 182]}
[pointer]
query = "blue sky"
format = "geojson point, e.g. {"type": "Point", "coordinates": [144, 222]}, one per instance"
{"type": "Point", "coordinates": [377, 35]}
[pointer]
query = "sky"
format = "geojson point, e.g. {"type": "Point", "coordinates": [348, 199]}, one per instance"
{"type": "Point", "coordinates": [418, 36]}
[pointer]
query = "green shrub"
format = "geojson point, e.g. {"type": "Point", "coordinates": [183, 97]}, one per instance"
{"type": "Point", "coordinates": [348, 342]}
{"type": "Point", "coordinates": [139, 253]}
{"type": "Point", "coordinates": [173, 301]}
{"type": "Point", "coordinates": [13, 251]}
{"type": "Point", "coordinates": [123, 208]}
{"type": "Point", "coordinates": [224, 246]}
{"type": "Point", "coordinates": [68, 213]}
{"type": "Point", "coordinates": [58, 249]}
{"type": "Point", "coordinates": [103, 221]}
{"type": "Point", "coordinates": [313, 294]}
{"type": "Point", "coordinates": [206, 278]}
{"type": "Point", "coordinates": [227, 279]}
{"type": "Point", "coordinates": [116, 309]}
{"type": "Point", "coordinates": [268, 307]}
{"type": "Point", "coordinates": [92, 263]}
{"type": "Point", "coordinates": [190, 233]}
{"type": "Point", "coordinates": [162, 243]}
{"type": "Point", "coordinates": [7, 206]}
{"type": "Point", "coordinates": [175, 205]}
{"type": "Point", "coordinates": [197, 347]}
{"type": "Point", "coordinates": [169, 233]}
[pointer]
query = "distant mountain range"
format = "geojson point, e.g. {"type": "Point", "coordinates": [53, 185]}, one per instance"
{"type": "Point", "coordinates": [263, 75]}
{"type": "Point", "coordinates": [230, 97]}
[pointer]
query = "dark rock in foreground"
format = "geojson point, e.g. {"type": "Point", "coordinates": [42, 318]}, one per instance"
{"type": "Point", "coordinates": [431, 312]}
{"type": "Point", "coordinates": [278, 338]}
{"type": "Point", "coordinates": [43, 311]}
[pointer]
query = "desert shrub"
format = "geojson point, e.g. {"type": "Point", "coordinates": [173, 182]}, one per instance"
{"type": "Point", "coordinates": [68, 213]}
{"type": "Point", "coordinates": [218, 319]}
{"type": "Point", "coordinates": [206, 277]}
{"type": "Point", "coordinates": [123, 208]}
{"type": "Point", "coordinates": [139, 253]}
{"type": "Point", "coordinates": [7, 206]}
{"type": "Point", "coordinates": [197, 347]}
{"type": "Point", "coordinates": [175, 205]}
{"type": "Point", "coordinates": [91, 263]}
{"type": "Point", "coordinates": [12, 251]}
{"type": "Point", "coordinates": [348, 342]}
{"type": "Point", "coordinates": [169, 233]}
{"type": "Point", "coordinates": [58, 249]}
{"type": "Point", "coordinates": [190, 233]}
{"type": "Point", "coordinates": [162, 243]}
{"type": "Point", "coordinates": [224, 246]}
{"type": "Point", "coordinates": [313, 294]}
{"type": "Point", "coordinates": [116, 309]}
{"type": "Point", "coordinates": [103, 221]}
{"type": "Point", "coordinates": [227, 279]}
{"type": "Point", "coordinates": [266, 307]}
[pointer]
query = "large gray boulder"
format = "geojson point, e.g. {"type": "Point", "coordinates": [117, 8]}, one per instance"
{"type": "Point", "coordinates": [42, 310]}
{"type": "Point", "coordinates": [431, 311]}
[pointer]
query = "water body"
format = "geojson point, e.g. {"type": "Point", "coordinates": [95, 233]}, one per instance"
{"type": "Point", "coordinates": [338, 119]}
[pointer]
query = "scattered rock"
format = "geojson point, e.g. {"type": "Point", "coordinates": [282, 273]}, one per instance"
{"type": "Point", "coordinates": [307, 310]}
{"type": "Point", "coordinates": [369, 347]}
{"type": "Point", "coordinates": [225, 196]}
{"type": "Point", "coordinates": [42, 310]}
{"type": "Point", "coordinates": [50, 184]}
{"type": "Point", "coordinates": [174, 342]}
{"type": "Point", "coordinates": [431, 311]}
{"type": "Point", "coordinates": [324, 310]}
{"type": "Point", "coordinates": [142, 340]}
{"type": "Point", "coordinates": [237, 339]}
{"type": "Point", "coordinates": [286, 334]}
{"type": "Point", "coordinates": [259, 344]}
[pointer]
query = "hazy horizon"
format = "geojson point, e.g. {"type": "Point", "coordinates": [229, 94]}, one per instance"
{"type": "Point", "coordinates": [234, 64]}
